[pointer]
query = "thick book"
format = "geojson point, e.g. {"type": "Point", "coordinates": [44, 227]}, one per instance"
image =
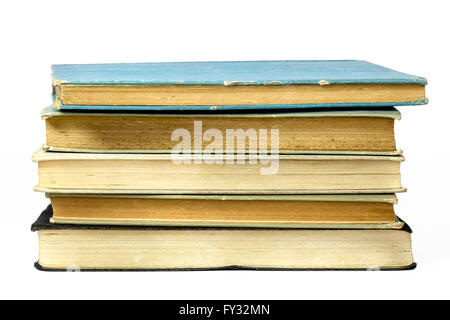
{"type": "Point", "coordinates": [126, 248]}
{"type": "Point", "coordinates": [233, 85]}
{"type": "Point", "coordinates": [276, 211]}
{"type": "Point", "coordinates": [330, 131]}
{"type": "Point", "coordinates": [216, 174]}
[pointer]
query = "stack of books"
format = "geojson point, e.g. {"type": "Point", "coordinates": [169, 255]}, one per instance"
{"type": "Point", "coordinates": [224, 165]}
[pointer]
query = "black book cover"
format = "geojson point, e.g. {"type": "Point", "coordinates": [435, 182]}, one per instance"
{"type": "Point", "coordinates": [43, 223]}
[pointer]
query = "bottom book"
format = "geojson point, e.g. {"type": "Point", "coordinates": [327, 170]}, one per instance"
{"type": "Point", "coordinates": [132, 248]}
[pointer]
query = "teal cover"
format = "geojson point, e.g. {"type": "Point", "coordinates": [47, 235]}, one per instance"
{"type": "Point", "coordinates": [268, 108]}
{"type": "Point", "coordinates": [232, 73]}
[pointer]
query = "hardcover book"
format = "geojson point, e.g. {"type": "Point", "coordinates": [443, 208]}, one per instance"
{"type": "Point", "coordinates": [233, 85]}
{"type": "Point", "coordinates": [115, 248]}
{"type": "Point", "coordinates": [276, 211]}
{"type": "Point", "coordinates": [216, 174]}
{"type": "Point", "coordinates": [330, 131]}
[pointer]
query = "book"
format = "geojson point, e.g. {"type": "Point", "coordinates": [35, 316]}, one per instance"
{"type": "Point", "coordinates": [330, 131]}
{"type": "Point", "coordinates": [115, 248]}
{"type": "Point", "coordinates": [216, 174]}
{"type": "Point", "coordinates": [233, 85]}
{"type": "Point", "coordinates": [276, 211]}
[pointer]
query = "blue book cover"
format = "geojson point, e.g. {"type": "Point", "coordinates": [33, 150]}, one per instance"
{"type": "Point", "coordinates": [268, 85]}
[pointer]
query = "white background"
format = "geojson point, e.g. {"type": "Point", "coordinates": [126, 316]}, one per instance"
{"type": "Point", "coordinates": [409, 36]}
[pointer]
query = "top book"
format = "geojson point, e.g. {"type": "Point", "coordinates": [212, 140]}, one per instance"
{"type": "Point", "coordinates": [233, 85]}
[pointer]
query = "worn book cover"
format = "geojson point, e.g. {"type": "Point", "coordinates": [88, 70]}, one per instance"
{"type": "Point", "coordinates": [233, 85]}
